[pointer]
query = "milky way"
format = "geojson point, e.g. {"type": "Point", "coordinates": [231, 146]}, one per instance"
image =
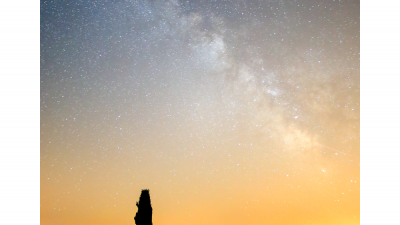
{"type": "Point", "coordinates": [230, 112]}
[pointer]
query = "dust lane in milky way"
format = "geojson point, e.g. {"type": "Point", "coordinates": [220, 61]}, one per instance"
{"type": "Point", "coordinates": [230, 112]}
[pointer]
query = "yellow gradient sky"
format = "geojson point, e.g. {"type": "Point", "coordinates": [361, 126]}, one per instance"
{"type": "Point", "coordinates": [230, 112]}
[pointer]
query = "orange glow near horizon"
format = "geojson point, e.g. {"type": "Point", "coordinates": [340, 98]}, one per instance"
{"type": "Point", "coordinates": [310, 187]}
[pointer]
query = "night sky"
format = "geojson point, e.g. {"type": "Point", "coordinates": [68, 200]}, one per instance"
{"type": "Point", "coordinates": [230, 112]}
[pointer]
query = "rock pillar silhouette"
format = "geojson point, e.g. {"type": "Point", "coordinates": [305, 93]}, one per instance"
{"type": "Point", "coordinates": [145, 211]}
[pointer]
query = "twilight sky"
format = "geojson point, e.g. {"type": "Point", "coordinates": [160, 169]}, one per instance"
{"type": "Point", "coordinates": [230, 112]}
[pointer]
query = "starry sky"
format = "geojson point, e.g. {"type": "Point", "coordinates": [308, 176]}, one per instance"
{"type": "Point", "coordinates": [230, 112]}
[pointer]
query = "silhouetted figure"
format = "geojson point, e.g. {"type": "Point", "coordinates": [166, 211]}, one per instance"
{"type": "Point", "coordinates": [145, 212]}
